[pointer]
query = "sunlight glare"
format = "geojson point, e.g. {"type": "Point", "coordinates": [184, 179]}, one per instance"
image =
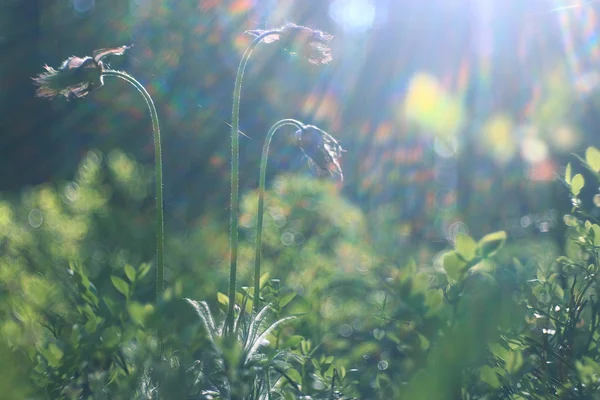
{"type": "Point", "coordinates": [354, 16]}
{"type": "Point", "coordinates": [534, 150]}
{"type": "Point", "coordinates": [428, 104]}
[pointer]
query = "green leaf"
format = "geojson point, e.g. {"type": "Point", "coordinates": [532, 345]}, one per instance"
{"type": "Point", "coordinates": [111, 336]}
{"type": "Point", "coordinates": [516, 345]}
{"type": "Point", "coordinates": [305, 346]}
{"type": "Point", "coordinates": [222, 299]}
{"type": "Point", "coordinates": [113, 375]}
{"type": "Point", "coordinates": [423, 342]}
{"type": "Point", "coordinates": [489, 376]}
{"type": "Point", "coordinates": [286, 299]}
{"type": "Point", "coordinates": [239, 299]}
{"type": "Point", "coordinates": [139, 312]}
{"type": "Point", "coordinates": [453, 265]}
{"type": "Point", "coordinates": [541, 276]}
{"type": "Point", "coordinates": [120, 285]}
{"type": "Point", "coordinates": [293, 341]}
{"type": "Point", "coordinates": [514, 361]}
{"type": "Point", "coordinates": [559, 291]}
{"type": "Point", "coordinates": [55, 351]}
{"type": "Point", "coordinates": [592, 157]}
{"type": "Point", "coordinates": [491, 243]}
{"type": "Point", "coordinates": [596, 230]}
{"type": "Point", "coordinates": [315, 364]}
{"type": "Point", "coordinates": [421, 282]}
{"type": "Point", "coordinates": [92, 325]}
{"type": "Point", "coordinates": [465, 246]}
{"type": "Point", "coordinates": [264, 278]}
{"type": "Point", "coordinates": [143, 270]}
{"type": "Point", "coordinates": [434, 300]}
{"type": "Point", "coordinates": [577, 184]}
{"type": "Point", "coordinates": [294, 375]}
{"type": "Point", "coordinates": [563, 260]}
{"type": "Point", "coordinates": [130, 272]}
{"type": "Point", "coordinates": [568, 174]}
{"type": "Point", "coordinates": [517, 263]}
{"type": "Point", "coordinates": [499, 351]}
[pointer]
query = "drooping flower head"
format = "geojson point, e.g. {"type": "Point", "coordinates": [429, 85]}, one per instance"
{"type": "Point", "coordinates": [321, 149]}
{"type": "Point", "coordinates": [307, 43]}
{"type": "Point", "coordinates": [76, 77]}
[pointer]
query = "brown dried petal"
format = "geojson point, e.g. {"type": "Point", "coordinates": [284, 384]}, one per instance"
{"type": "Point", "coordinates": [321, 149]}
{"type": "Point", "coordinates": [319, 54]}
{"type": "Point", "coordinates": [308, 43]}
{"type": "Point", "coordinates": [77, 62]}
{"type": "Point", "coordinates": [299, 32]}
{"type": "Point", "coordinates": [76, 77]}
{"type": "Point", "coordinates": [115, 51]}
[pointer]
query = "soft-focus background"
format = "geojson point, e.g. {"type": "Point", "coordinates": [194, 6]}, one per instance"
{"type": "Point", "coordinates": [458, 116]}
{"type": "Point", "coordinates": [452, 111]}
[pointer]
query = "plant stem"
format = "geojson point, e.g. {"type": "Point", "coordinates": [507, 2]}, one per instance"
{"type": "Point", "coordinates": [160, 224]}
{"type": "Point", "coordinates": [235, 161]}
{"type": "Point", "coordinates": [261, 203]}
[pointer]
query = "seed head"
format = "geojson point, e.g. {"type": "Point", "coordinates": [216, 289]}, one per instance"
{"type": "Point", "coordinates": [307, 43]}
{"type": "Point", "coordinates": [76, 77]}
{"type": "Point", "coordinates": [321, 149]}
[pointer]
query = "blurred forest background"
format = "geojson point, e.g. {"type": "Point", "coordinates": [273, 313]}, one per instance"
{"type": "Point", "coordinates": [511, 84]}
{"type": "Point", "coordinates": [458, 117]}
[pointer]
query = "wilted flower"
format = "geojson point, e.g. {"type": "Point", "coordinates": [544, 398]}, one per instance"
{"type": "Point", "coordinates": [77, 76]}
{"type": "Point", "coordinates": [307, 43]}
{"type": "Point", "coordinates": [322, 150]}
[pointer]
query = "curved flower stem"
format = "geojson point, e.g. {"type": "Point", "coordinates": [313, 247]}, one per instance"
{"type": "Point", "coordinates": [235, 161]}
{"type": "Point", "coordinates": [160, 225]}
{"type": "Point", "coordinates": [261, 203]}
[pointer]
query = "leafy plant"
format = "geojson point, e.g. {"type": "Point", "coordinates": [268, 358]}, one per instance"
{"type": "Point", "coordinates": [555, 354]}
{"type": "Point", "coordinates": [484, 319]}
{"type": "Point", "coordinates": [234, 367]}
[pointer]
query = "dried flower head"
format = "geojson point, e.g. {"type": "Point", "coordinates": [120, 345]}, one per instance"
{"type": "Point", "coordinates": [76, 77]}
{"type": "Point", "coordinates": [321, 149]}
{"type": "Point", "coordinates": [308, 43]}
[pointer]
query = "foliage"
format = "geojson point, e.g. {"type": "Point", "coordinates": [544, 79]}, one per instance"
{"type": "Point", "coordinates": [347, 313]}
{"type": "Point", "coordinates": [70, 329]}
{"type": "Point", "coordinates": [481, 321]}
{"type": "Point", "coordinates": [76, 312]}
{"type": "Point", "coordinates": [521, 323]}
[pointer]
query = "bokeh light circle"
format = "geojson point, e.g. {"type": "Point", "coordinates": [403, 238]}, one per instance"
{"type": "Point", "coordinates": [83, 6]}
{"type": "Point", "coordinates": [287, 238]}
{"type": "Point", "coordinates": [36, 218]}
{"type": "Point", "coordinates": [455, 228]}
{"type": "Point", "coordinates": [382, 365]}
{"type": "Point", "coordinates": [354, 16]}
{"type": "Point", "coordinates": [534, 150]}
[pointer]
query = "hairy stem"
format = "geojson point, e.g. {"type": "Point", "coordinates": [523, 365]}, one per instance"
{"type": "Point", "coordinates": [235, 161]}
{"type": "Point", "coordinates": [261, 204]}
{"type": "Point", "coordinates": [160, 224]}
